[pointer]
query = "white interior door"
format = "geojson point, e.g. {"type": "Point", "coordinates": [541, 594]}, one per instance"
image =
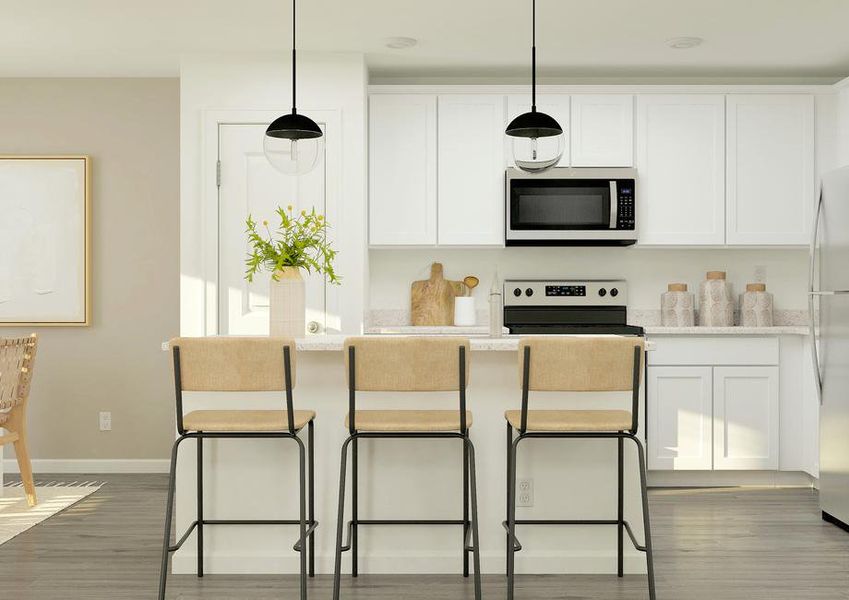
{"type": "Point", "coordinates": [249, 185]}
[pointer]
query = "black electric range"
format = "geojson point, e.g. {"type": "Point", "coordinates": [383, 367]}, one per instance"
{"type": "Point", "coordinates": [567, 306]}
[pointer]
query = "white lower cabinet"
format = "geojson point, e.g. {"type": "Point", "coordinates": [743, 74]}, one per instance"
{"type": "Point", "coordinates": [745, 418]}
{"type": "Point", "coordinates": [680, 418]}
{"type": "Point", "coordinates": [716, 403]}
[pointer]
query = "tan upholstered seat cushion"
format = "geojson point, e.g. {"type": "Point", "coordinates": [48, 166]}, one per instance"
{"type": "Point", "coordinates": [3, 417]}
{"type": "Point", "coordinates": [409, 420]}
{"type": "Point", "coordinates": [244, 420]}
{"type": "Point", "coordinates": [572, 420]}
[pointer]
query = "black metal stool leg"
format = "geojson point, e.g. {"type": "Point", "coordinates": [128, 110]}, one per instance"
{"type": "Point", "coordinates": [311, 450]}
{"type": "Point", "coordinates": [476, 553]}
{"type": "Point", "coordinates": [511, 521]}
{"type": "Point", "coordinates": [507, 495]}
{"type": "Point", "coordinates": [169, 513]}
{"type": "Point", "coordinates": [465, 509]}
{"type": "Point", "coordinates": [620, 527]}
{"type": "Point", "coordinates": [303, 515]}
{"type": "Point", "coordinates": [354, 515]}
{"type": "Point", "coordinates": [200, 505]}
{"type": "Point", "coordinates": [340, 515]}
{"type": "Point", "coordinates": [646, 520]}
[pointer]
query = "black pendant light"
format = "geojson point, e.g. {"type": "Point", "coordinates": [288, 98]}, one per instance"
{"type": "Point", "coordinates": [537, 139]}
{"type": "Point", "coordinates": [293, 143]}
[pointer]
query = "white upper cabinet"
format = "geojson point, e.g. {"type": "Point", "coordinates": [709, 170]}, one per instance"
{"type": "Point", "coordinates": [602, 130]}
{"type": "Point", "coordinates": [402, 169]}
{"type": "Point", "coordinates": [554, 105]}
{"type": "Point", "coordinates": [770, 191]}
{"type": "Point", "coordinates": [471, 169]}
{"type": "Point", "coordinates": [681, 169]}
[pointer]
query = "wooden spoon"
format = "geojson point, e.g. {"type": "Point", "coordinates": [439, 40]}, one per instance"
{"type": "Point", "coordinates": [471, 282]}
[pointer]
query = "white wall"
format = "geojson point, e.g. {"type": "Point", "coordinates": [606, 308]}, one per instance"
{"type": "Point", "coordinates": [263, 82]}
{"type": "Point", "coordinates": [647, 270]}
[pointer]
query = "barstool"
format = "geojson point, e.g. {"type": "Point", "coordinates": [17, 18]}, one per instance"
{"type": "Point", "coordinates": [233, 364]}
{"type": "Point", "coordinates": [413, 364]}
{"type": "Point", "coordinates": [574, 364]}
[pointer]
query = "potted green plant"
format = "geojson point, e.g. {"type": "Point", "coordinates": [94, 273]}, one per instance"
{"type": "Point", "coordinates": [299, 242]}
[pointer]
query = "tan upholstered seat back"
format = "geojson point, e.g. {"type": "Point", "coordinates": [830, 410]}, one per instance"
{"type": "Point", "coordinates": [233, 364]}
{"type": "Point", "coordinates": [407, 364]}
{"type": "Point", "coordinates": [17, 356]}
{"type": "Point", "coordinates": [580, 364]}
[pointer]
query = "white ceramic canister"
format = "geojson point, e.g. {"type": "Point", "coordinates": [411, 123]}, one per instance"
{"type": "Point", "coordinates": [464, 311]}
{"type": "Point", "coordinates": [677, 306]}
{"type": "Point", "coordinates": [756, 306]}
{"type": "Point", "coordinates": [716, 304]}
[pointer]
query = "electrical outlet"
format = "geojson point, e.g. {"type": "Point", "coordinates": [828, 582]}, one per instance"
{"type": "Point", "coordinates": [105, 421]}
{"type": "Point", "coordinates": [165, 346]}
{"type": "Point", "coordinates": [760, 274]}
{"type": "Point", "coordinates": [525, 492]}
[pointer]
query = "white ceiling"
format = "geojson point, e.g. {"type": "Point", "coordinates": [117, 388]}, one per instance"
{"type": "Point", "coordinates": [788, 39]}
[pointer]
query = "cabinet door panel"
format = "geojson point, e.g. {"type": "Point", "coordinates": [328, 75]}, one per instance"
{"type": "Point", "coordinates": [554, 105]}
{"type": "Point", "coordinates": [681, 169]}
{"type": "Point", "coordinates": [602, 130]}
{"type": "Point", "coordinates": [471, 170]}
{"type": "Point", "coordinates": [770, 168]}
{"type": "Point", "coordinates": [746, 419]}
{"type": "Point", "coordinates": [402, 169]}
{"type": "Point", "coordinates": [679, 418]}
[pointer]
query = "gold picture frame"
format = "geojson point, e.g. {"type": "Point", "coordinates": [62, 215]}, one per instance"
{"type": "Point", "coordinates": [27, 180]}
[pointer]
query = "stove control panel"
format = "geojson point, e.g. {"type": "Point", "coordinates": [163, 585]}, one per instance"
{"type": "Point", "coordinates": [565, 292]}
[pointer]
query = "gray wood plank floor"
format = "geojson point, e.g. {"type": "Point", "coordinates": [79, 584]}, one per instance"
{"type": "Point", "coordinates": [747, 544]}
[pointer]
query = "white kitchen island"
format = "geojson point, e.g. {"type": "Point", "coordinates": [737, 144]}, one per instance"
{"type": "Point", "coordinates": [409, 479]}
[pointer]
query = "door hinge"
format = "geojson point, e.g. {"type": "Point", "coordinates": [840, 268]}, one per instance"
{"type": "Point", "coordinates": [218, 174]}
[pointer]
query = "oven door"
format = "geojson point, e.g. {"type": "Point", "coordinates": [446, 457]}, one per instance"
{"type": "Point", "coordinates": [563, 211]}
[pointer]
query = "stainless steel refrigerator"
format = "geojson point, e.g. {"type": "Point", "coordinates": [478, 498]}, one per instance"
{"type": "Point", "coordinates": [829, 307]}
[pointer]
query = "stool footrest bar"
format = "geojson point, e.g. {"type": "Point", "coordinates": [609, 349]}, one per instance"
{"type": "Point", "coordinates": [310, 528]}
{"type": "Point", "coordinates": [517, 546]}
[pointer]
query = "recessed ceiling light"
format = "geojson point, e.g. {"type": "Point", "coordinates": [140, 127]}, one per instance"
{"type": "Point", "coordinates": [684, 43]}
{"type": "Point", "coordinates": [401, 43]}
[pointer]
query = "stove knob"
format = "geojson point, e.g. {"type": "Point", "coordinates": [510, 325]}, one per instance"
{"type": "Point", "coordinates": [529, 292]}
{"type": "Point", "coordinates": [614, 292]}
{"type": "Point", "coordinates": [517, 292]}
{"type": "Point", "coordinates": [602, 292]}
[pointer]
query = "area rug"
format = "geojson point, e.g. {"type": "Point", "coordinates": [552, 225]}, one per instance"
{"type": "Point", "coordinates": [53, 497]}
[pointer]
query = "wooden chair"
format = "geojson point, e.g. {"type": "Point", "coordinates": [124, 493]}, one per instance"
{"type": "Point", "coordinates": [17, 356]}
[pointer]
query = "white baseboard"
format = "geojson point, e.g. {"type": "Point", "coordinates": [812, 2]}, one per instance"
{"type": "Point", "coordinates": [601, 563]}
{"type": "Point", "coordinates": [92, 465]}
{"type": "Point", "coordinates": [667, 479]}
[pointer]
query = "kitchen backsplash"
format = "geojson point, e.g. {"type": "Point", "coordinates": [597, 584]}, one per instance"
{"type": "Point", "coordinates": [647, 271]}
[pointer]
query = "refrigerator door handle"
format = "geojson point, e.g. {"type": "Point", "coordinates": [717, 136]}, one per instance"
{"type": "Point", "coordinates": [812, 293]}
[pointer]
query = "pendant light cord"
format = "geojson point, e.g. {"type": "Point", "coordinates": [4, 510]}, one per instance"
{"type": "Point", "coordinates": [533, 55]}
{"type": "Point", "coordinates": [294, 67]}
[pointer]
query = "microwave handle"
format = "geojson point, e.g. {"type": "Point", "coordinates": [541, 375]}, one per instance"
{"type": "Point", "coordinates": [614, 205]}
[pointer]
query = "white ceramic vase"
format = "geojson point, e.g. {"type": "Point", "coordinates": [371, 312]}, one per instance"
{"type": "Point", "coordinates": [756, 306]}
{"type": "Point", "coordinates": [676, 306]}
{"type": "Point", "coordinates": [716, 304]}
{"type": "Point", "coordinates": [287, 317]}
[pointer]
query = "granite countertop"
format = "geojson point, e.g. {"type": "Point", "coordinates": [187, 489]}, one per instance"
{"type": "Point", "coordinates": [736, 330]}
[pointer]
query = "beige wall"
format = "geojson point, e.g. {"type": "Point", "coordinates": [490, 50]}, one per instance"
{"type": "Point", "coordinates": [130, 128]}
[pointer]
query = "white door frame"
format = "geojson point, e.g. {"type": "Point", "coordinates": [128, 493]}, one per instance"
{"type": "Point", "coordinates": [211, 120]}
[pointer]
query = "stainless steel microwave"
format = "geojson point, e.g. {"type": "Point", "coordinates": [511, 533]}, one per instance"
{"type": "Point", "coordinates": [569, 206]}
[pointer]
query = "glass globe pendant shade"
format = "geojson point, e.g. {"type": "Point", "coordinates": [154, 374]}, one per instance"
{"type": "Point", "coordinates": [294, 144]}
{"type": "Point", "coordinates": [537, 141]}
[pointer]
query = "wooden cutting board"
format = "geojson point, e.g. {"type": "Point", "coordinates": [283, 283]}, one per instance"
{"type": "Point", "coordinates": [432, 300]}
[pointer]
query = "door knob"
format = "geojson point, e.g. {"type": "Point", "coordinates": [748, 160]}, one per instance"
{"type": "Point", "coordinates": [313, 327]}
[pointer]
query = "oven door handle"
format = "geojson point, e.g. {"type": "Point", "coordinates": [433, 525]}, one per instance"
{"type": "Point", "coordinates": [614, 204]}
